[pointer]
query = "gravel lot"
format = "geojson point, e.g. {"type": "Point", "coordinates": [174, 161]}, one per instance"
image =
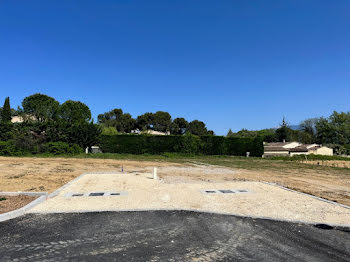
{"type": "Point", "coordinates": [166, 236]}
{"type": "Point", "coordinates": [143, 192]}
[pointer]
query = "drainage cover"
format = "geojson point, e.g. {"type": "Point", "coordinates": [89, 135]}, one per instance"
{"type": "Point", "coordinates": [96, 194]}
{"type": "Point", "coordinates": [226, 191]}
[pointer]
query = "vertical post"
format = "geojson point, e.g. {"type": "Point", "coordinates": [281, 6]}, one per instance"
{"type": "Point", "coordinates": [155, 173]}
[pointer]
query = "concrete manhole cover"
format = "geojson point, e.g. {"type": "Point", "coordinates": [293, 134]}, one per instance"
{"type": "Point", "coordinates": [225, 191]}
{"type": "Point", "coordinates": [96, 194]}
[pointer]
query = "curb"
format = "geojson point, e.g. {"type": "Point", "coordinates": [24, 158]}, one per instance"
{"type": "Point", "coordinates": [19, 212]}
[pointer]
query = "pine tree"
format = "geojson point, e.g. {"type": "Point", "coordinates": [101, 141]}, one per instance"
{"type": "Point", "coordinates": [6, 111]}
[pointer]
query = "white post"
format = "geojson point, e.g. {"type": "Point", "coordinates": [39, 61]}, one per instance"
{"type": "Point", "coordinates": [155, 173]}
{"type": "Point", "coordinates": [87, 150]}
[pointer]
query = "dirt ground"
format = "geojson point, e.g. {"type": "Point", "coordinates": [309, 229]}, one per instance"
{"type": "Point", "coordinates": [14, 202]}
{"type": "Point", "coordinates": [48, 174]}
{"type": "Point", "coordinates": [332, 163]}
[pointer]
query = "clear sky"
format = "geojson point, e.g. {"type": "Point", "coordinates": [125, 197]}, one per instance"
{"type": "Point", "coordinates": [232, 64]}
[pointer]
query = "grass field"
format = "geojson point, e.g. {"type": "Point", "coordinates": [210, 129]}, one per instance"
{"type": "Point", "coordinates": [49, 173]}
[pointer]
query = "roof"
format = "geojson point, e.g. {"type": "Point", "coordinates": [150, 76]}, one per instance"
{"type": "Point", "coordinates": [302, 148]}
{"type": "Point", "coordinates": [275, 148]}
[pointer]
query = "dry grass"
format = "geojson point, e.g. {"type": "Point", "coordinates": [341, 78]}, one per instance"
{"type": "Point", "coordinates": [48, 174]}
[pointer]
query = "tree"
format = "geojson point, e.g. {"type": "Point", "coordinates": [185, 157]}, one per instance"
{"type": "Point", "coordinates": [42, 107]}
{"type": "Point", "coordinates": [75, 111]}
{"type": "Point", "coordinates": [116, 118]}
{"type": "Point", "coordinates": [145, 121]}
{"type": "Point", "coordinates": [6, 111]}
{"type": "Point", "coordinates": [229, 133]}
{"type": "Point", "coordinates": [197, 128]}
{"type": "Point", "coordinates": [179, 126]}
{"type": "Point", "coordinates": [84, 134]}
{"type": "Point", "coordinates": [161, 121]}
{"type": "Point", "coordinates": [283, 132]}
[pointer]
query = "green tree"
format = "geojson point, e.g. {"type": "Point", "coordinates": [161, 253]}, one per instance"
{"type": "Point", "coordinates": [84, 134]}
{"type": "Point", "coordinates": [179, 126]}
{"type": "Point", "coordinates": [229, 133]}
{"type": "Point", "coordinates": [75, 111]}
{"type": "Point", "coordinates": [283, 132]}
{"type": "Point", "coordinates": [6, 111]}
{"type": "Point", "coordinates": [109, 131]}
{"type": "Point", "coordinates": [117, 119]}
{"type": "Point", "coordinates": [145, 121]}
{"type": "Point", "coordinates": [42, 107]}
{"type": "Point", "coordinates": [161, 121]}
{"type": "Point", "coordinates": [197, 128]}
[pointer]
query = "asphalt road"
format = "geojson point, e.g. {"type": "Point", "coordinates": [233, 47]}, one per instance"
{"type": "Point", "coordinates": [166, 236]}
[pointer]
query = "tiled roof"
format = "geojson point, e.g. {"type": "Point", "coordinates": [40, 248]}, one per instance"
{"type": "Point", "coordinates": [275, 148]}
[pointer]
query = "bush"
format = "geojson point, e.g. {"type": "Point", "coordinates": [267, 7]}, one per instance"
{"type": "Point", "coordinates": [60, 148]}
{"type": "Point", "coordinates": [187, 144]}
{"type": "Point", "coordinates": [7, 148]}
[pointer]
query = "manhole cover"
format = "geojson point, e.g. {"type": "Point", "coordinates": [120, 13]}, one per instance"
{"type": "Point", "coordinates": [226, 191]}
{"type": "Point", "coordinates": [96, 194]}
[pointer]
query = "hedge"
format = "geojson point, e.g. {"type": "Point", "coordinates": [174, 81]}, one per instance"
{"type": "Point", "coordinates": [8, 148]}
{"type": "Point", "coordinates": [206, 145]}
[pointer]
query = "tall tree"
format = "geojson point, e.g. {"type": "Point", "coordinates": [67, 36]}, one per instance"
{"type": "Point", "coordinates": [42, 107]}
{"type": "Point", "coordinates": [145, 121]}
{"type": "Point", "coordinates": [179, 126]}
{"type": "Point", "coordinates": [229, 133]}
{"type": "Point", "coordinates": [197, 128]}
{"type": "Point", "coordinates": [6, 111]}
{"type": "Point", "coordinates": [116, 118]}
{"type": "Point", "coordinates": [161, 121]}
{"type": "Point", "coordinates": [75, 111]}
{"type": "Point", "coordinates": [283, 132]}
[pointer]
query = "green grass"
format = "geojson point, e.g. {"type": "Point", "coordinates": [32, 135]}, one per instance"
{"type": "Point", "coordinates": [2, 198]}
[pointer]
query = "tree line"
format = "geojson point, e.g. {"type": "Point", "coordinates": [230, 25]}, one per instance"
{"type": "Point", "coordinates": [160, 121]}
{"type": "Point", "coordinates": [333, 131]}
{"type": "Point", "coordinates": [46, 125]}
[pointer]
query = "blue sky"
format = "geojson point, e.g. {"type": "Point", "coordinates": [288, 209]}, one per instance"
{"type": "Point", "coordinates": [232, 64]}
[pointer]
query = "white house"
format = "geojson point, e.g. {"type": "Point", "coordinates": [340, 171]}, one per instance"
{"type": "Point", "coordinates": [295, 148]}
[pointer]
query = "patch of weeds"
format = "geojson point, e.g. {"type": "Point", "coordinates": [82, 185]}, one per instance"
{"type": "Point", "coordinates": [2, 198]}
{"type": "Point", "coordinates": [17, 176]}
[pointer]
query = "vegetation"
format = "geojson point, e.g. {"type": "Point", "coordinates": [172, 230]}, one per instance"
{"type": "Point", "coordinates": [160, 121]}
{"type": "Point", "coordinates": [333, 131]}
{"type": "Point", "coordinates": [47, 127]}
{"type": "Point", "coordinates": [187, 144]}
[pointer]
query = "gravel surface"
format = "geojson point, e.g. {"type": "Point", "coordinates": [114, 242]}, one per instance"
{"type": "Point", "coordinates": [143, 192]}
{"type": "Point", "coordinates": [166, 236]}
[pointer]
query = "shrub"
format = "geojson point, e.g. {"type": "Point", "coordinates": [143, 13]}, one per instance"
{"type": "Point", "coordinates": [7, 148]}
{"type": "Point", "coordinates": [60, 148]}
{"type": "Point", "coordinates": [188, 144]}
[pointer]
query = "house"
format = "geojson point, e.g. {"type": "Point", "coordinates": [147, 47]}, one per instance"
{"type": "Point", "coordinates": [21, 119]}
{"type": "Point", "coordinates": [295, 148]}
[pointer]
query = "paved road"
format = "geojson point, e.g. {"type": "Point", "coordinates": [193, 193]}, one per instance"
{"type": "Point", "coordinates": [166, 236]}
